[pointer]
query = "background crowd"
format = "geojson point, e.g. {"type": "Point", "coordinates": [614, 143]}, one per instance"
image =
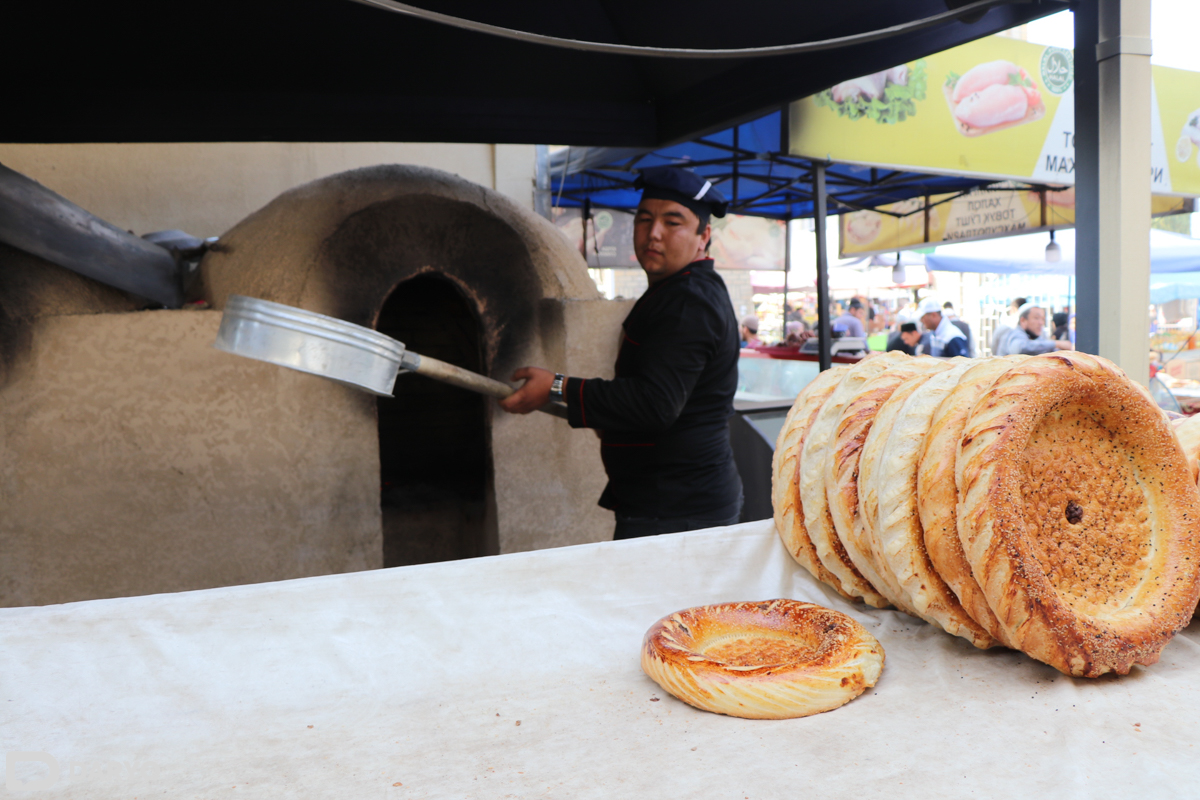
{"type": "Point", "coordinates": [928, 327]}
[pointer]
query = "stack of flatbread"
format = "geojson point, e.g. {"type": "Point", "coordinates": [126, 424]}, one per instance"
{"type": "Point", "coordinates": [1040, 503]}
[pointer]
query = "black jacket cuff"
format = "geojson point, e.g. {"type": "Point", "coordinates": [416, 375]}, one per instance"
{"type": "Point", "coordinates": [573, 396]}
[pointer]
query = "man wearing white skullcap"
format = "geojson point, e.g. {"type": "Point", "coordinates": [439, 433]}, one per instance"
{"type": "Point", "coordinates": [945, 340]}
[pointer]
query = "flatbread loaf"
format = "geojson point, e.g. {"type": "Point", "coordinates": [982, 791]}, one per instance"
{"type": "Point", "coordinates": [1078, 515]}
{"type": "Point", "coordinates": [777, 659]}
{"type": "Point", "coordinates": [937, 495]}
{"type": "Point", "coordinates": [1187, 430]}
{"type": "Point", "coordinates": [785, 478]}
{"type": "Point", "coordinates": [842, 470]}
{"type": "Point", "coordinates": [817, 448]}
{"type": "Point", "coordinates": [898, 536]}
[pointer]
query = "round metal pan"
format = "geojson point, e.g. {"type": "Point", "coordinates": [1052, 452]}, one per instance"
{"type": "Point", "coordinates": [310, 342]}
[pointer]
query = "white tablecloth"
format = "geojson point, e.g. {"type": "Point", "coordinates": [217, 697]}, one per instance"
{"type": "Point", "coordinates": [518, 676]}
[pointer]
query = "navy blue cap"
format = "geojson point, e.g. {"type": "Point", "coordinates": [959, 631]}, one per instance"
{"type": "Point", "coordinates": [682, 186]}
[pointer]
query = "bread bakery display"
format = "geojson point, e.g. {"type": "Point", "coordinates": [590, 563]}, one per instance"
{"type": "Point", "coordinates": [937, 493]}
{"type": "Point", "coordinates": [777, 659]}
{"type": "Point", "coordinates": [894, 451]}
{"type": "Point", "coordinates": [1042, 503]}
{"type": "Point", "coordinates": [842, 468]}
{"type": "Point", "coordinates": [785, 495]}
{"type": "Point", "coordinates": [818, 446]}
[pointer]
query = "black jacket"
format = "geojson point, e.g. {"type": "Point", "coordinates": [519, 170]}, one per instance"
{"type": "Point", "coordinates": [665, 417]}
{"type": "Point", "coordinates": [894, 342]}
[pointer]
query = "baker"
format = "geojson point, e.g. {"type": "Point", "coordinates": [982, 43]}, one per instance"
{"type": "Point", "coordinates": [664, 417]}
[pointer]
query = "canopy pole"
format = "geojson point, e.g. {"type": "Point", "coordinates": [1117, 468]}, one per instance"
{"type": "Point", "coordinates": [787, 267]}
{"type": "Point", "coordinates": [1087, 180]}
{"type": "Point", "coordinates": [735, 164]}
{"type": "Point", "coordinates": [824, 336]}
{"type": "Point", "coordinates": [1114, 265]}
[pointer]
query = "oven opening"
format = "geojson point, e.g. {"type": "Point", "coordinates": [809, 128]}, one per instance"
{"type": "Point", "coordinates": [434, 439]}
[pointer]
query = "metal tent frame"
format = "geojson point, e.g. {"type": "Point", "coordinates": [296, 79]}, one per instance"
{"type": "Point", "coordinates": [750, 164]}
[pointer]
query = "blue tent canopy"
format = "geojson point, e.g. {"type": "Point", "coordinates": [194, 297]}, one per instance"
{"type": "Point", "coordinates": [749, 164]}
{"type": "Point", "coordinates": [1174, 286]}
{"type": "Point", "coordinates": [1174, 260]}
{"type": "Point", "coordinates": [1170, 254]}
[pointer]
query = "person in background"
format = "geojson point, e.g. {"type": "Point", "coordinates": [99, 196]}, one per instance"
{"type": "Point", "coordinates": [1007, 323]}
{"type": "Point", "coordinates": [1027, 338]}
{"type": "Point", "coordinates": [749, 331]}
{"type": "Point", "coordinates": [797, 333]}
{"type": "Point", "coordinates": [1062, 330]}
{"type": "Point", "coordinates": [851, 322]}
{"type": "Point", "coordinates": [906, 339]}
{"type": "Point", "coordinates": [908, 313]}
{"type": "Point", "coordinates": [945, 339]}
{"type": "Point", "coordinates": [961, 324]}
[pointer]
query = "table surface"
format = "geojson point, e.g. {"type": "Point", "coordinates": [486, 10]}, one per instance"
{"type": "Point", "coordinates": [518, 676]}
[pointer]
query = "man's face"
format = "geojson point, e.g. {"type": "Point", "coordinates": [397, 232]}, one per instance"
{"type": "Point", "coordinates": [931, 320]}
{"type": "Point", "coordinates": [859, 312]}
{"type": "Point", "coordinates": [910, 338]}
{"type": "Point", "coordinates": [665, 239]}
{"type": "Point", "coordinates": [1034, 321]}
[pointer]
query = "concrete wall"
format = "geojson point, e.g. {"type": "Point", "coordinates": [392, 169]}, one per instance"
{"type": "Point", "coordinates": [207, 188]}
{"type": "Point", "coordinates": [134, 459]}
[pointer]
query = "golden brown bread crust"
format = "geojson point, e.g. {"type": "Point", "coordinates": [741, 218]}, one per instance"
{"type": "Point", "coordinates": [897, 536]}
{"type": "Point", "coordinates": [842, 471]}
{"type": "Point", "coordinates": [785, 486]}
{"type": "Point", "coordinates": [817, 448]}
{"type": "Point", "coordinates": [776, 659]}
{"type": "Point", "coordinates": [937, 495]}
{"type": "Point", "coordinates": [1078, 515]}
{"type": "Point", "coordinates": [1187, 431]}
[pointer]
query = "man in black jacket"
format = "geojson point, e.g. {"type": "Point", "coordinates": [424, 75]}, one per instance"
{"type": "Point", "coordinates": [664, 417]}
{"type": "Point", "coordinates": [905, 340]}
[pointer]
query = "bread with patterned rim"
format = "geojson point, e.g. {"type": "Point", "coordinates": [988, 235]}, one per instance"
{"type": "Point", "coordinates": [937, 494]}
{"type": "Point", "coordinates": [818, 446]}
{"type": "Point", "coordinates": [898, 537]}
{"type": "Point", "coordinates": [785, 478]}
{"type": "Point", "coordinates": [1078, 515]}
{"type": "Point", "coordinates": [776, 659]}
{"type": "Point", "coordinates": [843, 465]}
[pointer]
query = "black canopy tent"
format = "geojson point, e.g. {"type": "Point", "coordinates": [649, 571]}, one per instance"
{"type": "Point", "coordinates": [337, 70]}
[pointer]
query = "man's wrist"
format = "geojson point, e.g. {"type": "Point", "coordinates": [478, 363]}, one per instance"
{"type": "Point", "coordinates": [557, 387]}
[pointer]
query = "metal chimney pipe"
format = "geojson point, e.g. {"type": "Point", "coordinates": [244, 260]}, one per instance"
{"type": "Point", "coordinates": [40, 222]}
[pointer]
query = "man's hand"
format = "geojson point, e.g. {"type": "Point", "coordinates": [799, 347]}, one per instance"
{"type": "Point", "coordinates": [1063, 344]}
{"type": "Point", "coordinates": [533, 395]}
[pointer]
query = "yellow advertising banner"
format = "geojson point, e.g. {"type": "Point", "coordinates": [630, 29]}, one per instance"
{"type": "Point", "coordinates": [982, 214]}
{"type": "Point", "coordinates": [997, 107]}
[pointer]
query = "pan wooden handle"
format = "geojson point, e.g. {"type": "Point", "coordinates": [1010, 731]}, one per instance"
{"type": "Point", "coordinates": [472, 381]}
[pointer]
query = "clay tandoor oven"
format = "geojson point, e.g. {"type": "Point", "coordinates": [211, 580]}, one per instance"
{"type": "Point", "coordinates": [138, 459]}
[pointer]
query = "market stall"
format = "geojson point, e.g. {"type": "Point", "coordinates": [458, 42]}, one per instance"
{"type": "Point", "coordinates": [518, 676]}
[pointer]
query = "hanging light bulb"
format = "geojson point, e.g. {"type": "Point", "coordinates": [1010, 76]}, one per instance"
{"type": "Point", "coordinates": [898, 273]}
{"type": "Point", "coordinates": [1053, 250]}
